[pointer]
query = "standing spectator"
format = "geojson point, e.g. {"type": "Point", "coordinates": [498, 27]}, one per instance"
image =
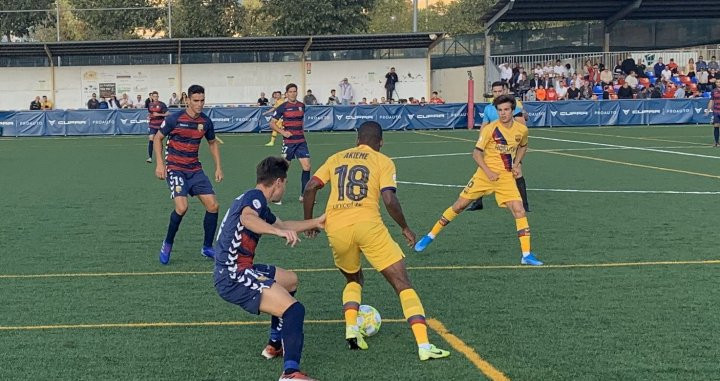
{"type": "Point", "coordinates": [184, 99]}
{"type": "Point", "coordinates": [391, 78]}
{"type": "Point", "coordinates": [113, 103]}
{"type": "Point", "coordinates": [573, 93]}
{"type": "Point", "coordinates": [139, 102]}
{"type": "Point", "coordinates": [625, 91]}
{"type": "Point", "coordinates": [346, 92]}
{"type": "Point", "coordinates": [37, 105]}
{"type": "Point", "coordinates": [658, 68]}
{"type": "Point", "coordinates": [333, 99]}
{"type": "Point", "coordinates": [125, 101]}
{"type": "Point", "coordinates": [628, 65]}
{"type": "Point", "coordinates": [93, 103]}
{"type": "Point", "coordinates": [713, 64]}
{"type": "Point", "coordinates": [309, 99]}
{"type": "Point", "coordinates": [701, 64]}
{"type": "Point", "coordinates": [46, 103]}
{"type": "Point", "coordinates": [505, 72]}
{"type": "Point", "coordinates": [672, 66]}
{"type": "Point", "coordinates": [538, 72]}
{"type": "Point", "coordinates": [641, 68]}
{"type": "Point", "coordinates": [632, 80]}
{"type": "Point", "coordinates": [703, 78]}
{"type": "Point", "coordinates": [262, 101]}
{"type": "Point", "coordinates": [690, 68]}
{"type": "Point", "coordinates": [666, 74]}
{"type": "Point", "coordinates": [435, 99]}
{"type": "Point", "coordinates": [174, 101]}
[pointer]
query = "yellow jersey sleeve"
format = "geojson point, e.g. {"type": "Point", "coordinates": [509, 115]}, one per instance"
{"type": "Point", "coordinates": [524, 140]}
{"type": "Point", "coordinates": [324, 172]}
{"type": "Point", "coordinates": [484, 138]}
{"type": "Point", "coordinates": [387, 175]}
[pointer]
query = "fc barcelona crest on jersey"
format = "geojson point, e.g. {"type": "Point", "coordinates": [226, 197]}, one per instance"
{"type": "Point", "coordinates": [518, 138]}
{"type": "Point", "coordinates": [202, 127]}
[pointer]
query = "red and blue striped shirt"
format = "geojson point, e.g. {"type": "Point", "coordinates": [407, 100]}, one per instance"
{"type": "Point", "coordinates": [292, 114]}
{"type": "Point", "coordinates": [156, 121]}
{"type": "Point", "coordinates": [716, 101]}
{"type": "Point", "coordinates": [184, 136]}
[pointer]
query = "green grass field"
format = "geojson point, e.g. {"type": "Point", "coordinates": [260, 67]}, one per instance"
{"type": "Point", "coordinates": [629, 291]}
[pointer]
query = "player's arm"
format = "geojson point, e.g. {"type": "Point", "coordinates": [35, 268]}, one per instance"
{"type": "Point", "coordinates": [251, 220]}
{"type": "Point", "coordinates": [281, 131]}
{"type": "Point", "coordinates": [301, 226]}
{"type": "Point", "coordinates": [392, 205]}
{"type": "Point", "coordinates": [309, 195]}
{"type": "Point", "coordinates": [160, 170]}
{"type": "Point", "coordinates": [214, 146]}
{"type": "Point", "coordinates": [709, 106]}
{"type": "Point", "coordinates": [479, 157]}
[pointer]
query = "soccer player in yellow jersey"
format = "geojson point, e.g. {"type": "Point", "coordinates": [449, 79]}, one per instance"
{"type": "Point", "coordinates": [358, 178]}
{"type": "Point", "coordinates": [278, 99]}
{"type": "Point", "coordinates": [498, 153]}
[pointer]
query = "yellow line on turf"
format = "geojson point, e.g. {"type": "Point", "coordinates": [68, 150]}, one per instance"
{"type": "Point", "coordinates": [488, 370]}
{"type": "Point", "coordinates": [632, 164]}
{"type": "Point", "coordinates": [413, 268]}
{"type": "Point", "coordinates": [166, 324]}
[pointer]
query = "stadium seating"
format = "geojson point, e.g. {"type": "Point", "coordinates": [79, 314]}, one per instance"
{"type": "Point", "coordinates": [706, 94]}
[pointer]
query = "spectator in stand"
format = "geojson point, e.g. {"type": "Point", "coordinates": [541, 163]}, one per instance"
{"type": "Point", "coordinates": [148, 100]}
{"type": "Point", "coordinates": [548, 69]}
{"type": "Point", "coordinates": [505, 72]}
{"type": "Point", "coordinates": [541, 93]}
{"type": "Point", "coordinates": [546, 82]}
{"type": "Point", "coordinates": [596, 79]}
{"type": "Point", "coordinates": [46, 103]}
{"type": "Point", "coordinates": [658, 68]}
{"type": "Point", "coordinates": [655, 92]}
{"type": "Point", "coordinates": [423, 101]}
{"type": "Point", "coordinates": [672, 66]}
{"type": "Point", "coordinates": [103, 105]}
{"type": "Point", "coordinates": [374, 101]}
{"type": "Point", "coordinates": [262, 101]}
{"type": "Point", "coordinates": [713, 64]}
{"type": "Point", "coordinates": [573, 93]}
{"type": "Point", "coordinates": [125, 101]}
{"type": "Point", "coordinates": [618, 71]}
{"type": "Point", "coordinates": [558, 69]}
{"type": "Point", "coordinates": [413, 101]}
{"type": "Point", "coordinates": [680, 92]}
{"type": "Point", "coordinates": [702, 77]}
{"type": "Point", "coordinates": [701, 64]}
{"type": "Point", "coordinates": [174, 101]}
{"type": "Point", "coordinates": [632, 80]}
{"type": "Point", "coordinates": [93, 103]}
{"type": "Point", "coordinates": [435, 99]}
{"type": "Point", "coordinates": [184, 100]}
{"type": "Point", "coordinates": [641, 68]}
{"type": "Point", "coordinates": [586, 92]}
{"type": "Point", "coordinates": [625, 91]}
{"type": "Point", "coordinates": [113, 103]}
{"type": "Point", "coordinates": [538, 72]}
{"type": "Point", "coordinates": [391, 78]}
{"type": "Point", "coordinates": [516, 70]}
{"type": "Point", "coordinates": [531, 96]}
{"type": "Point", "coordinates": [309, 99]}
{"type": "Point", "coordinates": [666, 74]}
{"type": "Point", "coordinates": [346, 92]}
{"type": "Point", "coordinates": [36, 104]}
{"type": "Point", "coordinates": [589, 70]}
{"type": "Point", "coordinates": [644, 93]}
{"type": "Point", "coordinates": [561, 90]}
{"type": "Point", "coordinates": [333, 99]}
{"type": "Point", "coordinates": [522, 85]}
{"type": "Point", "coordinates": [690, 68]}
{"type": "Point", "coordinates": [363, 101]}
{"type": "Point", "coordinates": [713, 77]}
{"type": "Point", "coordinates": [568, 73]}
{"type": "Point", "coordinates": [628, 65]}
{"type": "Point", "coordinates": [139, 102]}
{"type": "Point", "coordinates": [551, 94]}
{"type": "Point", "coordinates": [606, 92]}
{"type": "Point", "coordinates": [606, 77]}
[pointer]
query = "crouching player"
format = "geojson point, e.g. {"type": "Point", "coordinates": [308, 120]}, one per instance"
{"type": "Point", "coordinates": [263, 288]}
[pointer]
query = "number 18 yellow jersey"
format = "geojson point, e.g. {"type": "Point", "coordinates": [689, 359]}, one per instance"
{"type": "Point", "coordinates": [356, 176]}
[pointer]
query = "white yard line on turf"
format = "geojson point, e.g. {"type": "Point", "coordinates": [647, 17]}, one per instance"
{"type": "Point", "coordinates": [626, 147]}
{"type": "Point", "coordinates": [573, 190]}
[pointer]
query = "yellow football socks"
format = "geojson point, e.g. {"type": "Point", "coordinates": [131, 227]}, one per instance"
{"type": "Point", "coordinates": [272, 137]}
{"type": "Point", "coordinates": [447, 216]}
{"type": "Point", "coordinates": [415, 315]}
{"type": "Point", "coordinates": [351, 297]}
{"type": "Point", "coordinates": [523, 230]}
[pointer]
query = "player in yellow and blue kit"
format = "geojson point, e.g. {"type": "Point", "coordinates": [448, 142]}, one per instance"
{"type": "Point", "coordinates": [498, 153]}
{"type": "Point", "coordinates": [358, 177]}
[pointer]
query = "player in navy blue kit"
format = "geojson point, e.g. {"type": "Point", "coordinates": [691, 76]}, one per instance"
{"type": "Point", "coordinates": [257, 287]}
{"type": "Point", "coordinates": [292, 112]}
{"type": "Point", "coordinates": [184, 172]}
{"type": "Point", "coordinates": [157, 111]}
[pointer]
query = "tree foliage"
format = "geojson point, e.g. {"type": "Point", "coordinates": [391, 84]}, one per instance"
{"type": "Point", "coordinates": [209, 18]}
{"type": "Point", "coordinates": [117, 24]}
{"type": "Point", "coordinates": [317, 17]}
{"type": "Point", "coordinates": [21, 24]}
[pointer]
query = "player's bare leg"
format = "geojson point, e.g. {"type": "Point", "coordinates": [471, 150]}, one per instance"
{"type": "Point", "coordinates": [523, 230]}
{"type": "Point", "coordinates": [305, 177]}
{"type": "Point", "coordinates": [396, 274]}
{"type": "Point", "coordinates": [181, 206]}
{"type": "Point", "coordinates": [352, 296]}
{"type": "Point", "coordinates": [278, 302]}
{"type": "Point", "coordinates": [448, 215]}
{"type": "Point", "coordinates": [211, 205]}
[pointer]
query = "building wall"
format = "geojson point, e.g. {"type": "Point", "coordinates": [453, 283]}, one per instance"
{"type": "Point", "coordinates": [452, 84]}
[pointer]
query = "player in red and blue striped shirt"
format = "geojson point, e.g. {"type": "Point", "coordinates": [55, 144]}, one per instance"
{"type": "Point", "coordinates": [184, 172]}
{"type": "Point", "coordinates": [157, 111]}
{"type": "Point", "coordinates": [292, 113]}
{"type": "Point", "coordinates": [714, 107]}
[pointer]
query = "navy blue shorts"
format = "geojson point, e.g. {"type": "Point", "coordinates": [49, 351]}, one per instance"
{"type": "Point", "coordinates": [183, 183]}
{"type": "Point", "coordinates": [244, 287]}
{"type": "Point", "coordinates": [716, 118]}
{"type": "Point", "coordinates": [152, 131]}
{"type": "Point", "coordinates": [295, 151]}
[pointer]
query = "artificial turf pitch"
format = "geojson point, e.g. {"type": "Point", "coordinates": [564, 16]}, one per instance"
{"type": "Point", "coordinates": [85, 217]}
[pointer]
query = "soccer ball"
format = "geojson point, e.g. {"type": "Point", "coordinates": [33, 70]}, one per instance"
{"type": "Point", "coordinates": [368, 320]}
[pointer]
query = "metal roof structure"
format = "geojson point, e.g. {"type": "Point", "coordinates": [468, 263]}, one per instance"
{"type": "Point", "coordinates": [228, 45]}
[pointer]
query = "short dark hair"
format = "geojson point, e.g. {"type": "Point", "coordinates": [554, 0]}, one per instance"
{"type": "Point", "coordinates": [435, 92]}
{"type": "Point", "coordinates": [270, 169]}
{"type": "Point", "coordinates": [498, 83]}
{"type": "Point", "coordinates": [195, 89]}
{"type": "Point", "coordinates": [505, 99]}
{"type": "Point", "coordinates": [369, 133]}
{"type": "Point", "coordinates": [290, 86]}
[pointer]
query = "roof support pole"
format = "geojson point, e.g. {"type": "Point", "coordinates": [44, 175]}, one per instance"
{"type": "Point", "coordinates": [499, 14]}
{"type": "Point", "coordinates": [179, 79]}
{"type": "Point", "coordinates": [612, 20]}
{"type": "Point", "coordinates": [487, 61]}
{"type": "Point", "coordinates": [52, 75]}
{"type": "Point", "coordinates": [303, 69]}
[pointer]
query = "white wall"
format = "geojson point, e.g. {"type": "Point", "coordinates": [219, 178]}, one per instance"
{"type": "Point", "coordinates": [367, 77]}
{"type": "Point", "coordinates": [20, 85]}
{"type": "Point", "coordinates": [452, 84]}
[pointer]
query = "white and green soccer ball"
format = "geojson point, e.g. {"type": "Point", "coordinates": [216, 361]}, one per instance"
{"type": "Point", "coordinates": [368, 320]}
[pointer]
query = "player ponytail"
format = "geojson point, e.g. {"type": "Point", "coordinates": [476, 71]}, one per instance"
{"type": "Point", "coordinates": [271, 169]}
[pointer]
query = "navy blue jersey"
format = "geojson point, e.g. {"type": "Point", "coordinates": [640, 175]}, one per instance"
{"type": "Point", "coordinates": [292, 114]}
{"type": "Point", "coordinates": [235, 247]}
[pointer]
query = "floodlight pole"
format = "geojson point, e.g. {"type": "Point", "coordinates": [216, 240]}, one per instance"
{"type": "Point", "coordinates": [169, 16]}
{"type": "Point", "coordinates": [57, 20]}
{"type": "Point", "coordinates": [415, 15]}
